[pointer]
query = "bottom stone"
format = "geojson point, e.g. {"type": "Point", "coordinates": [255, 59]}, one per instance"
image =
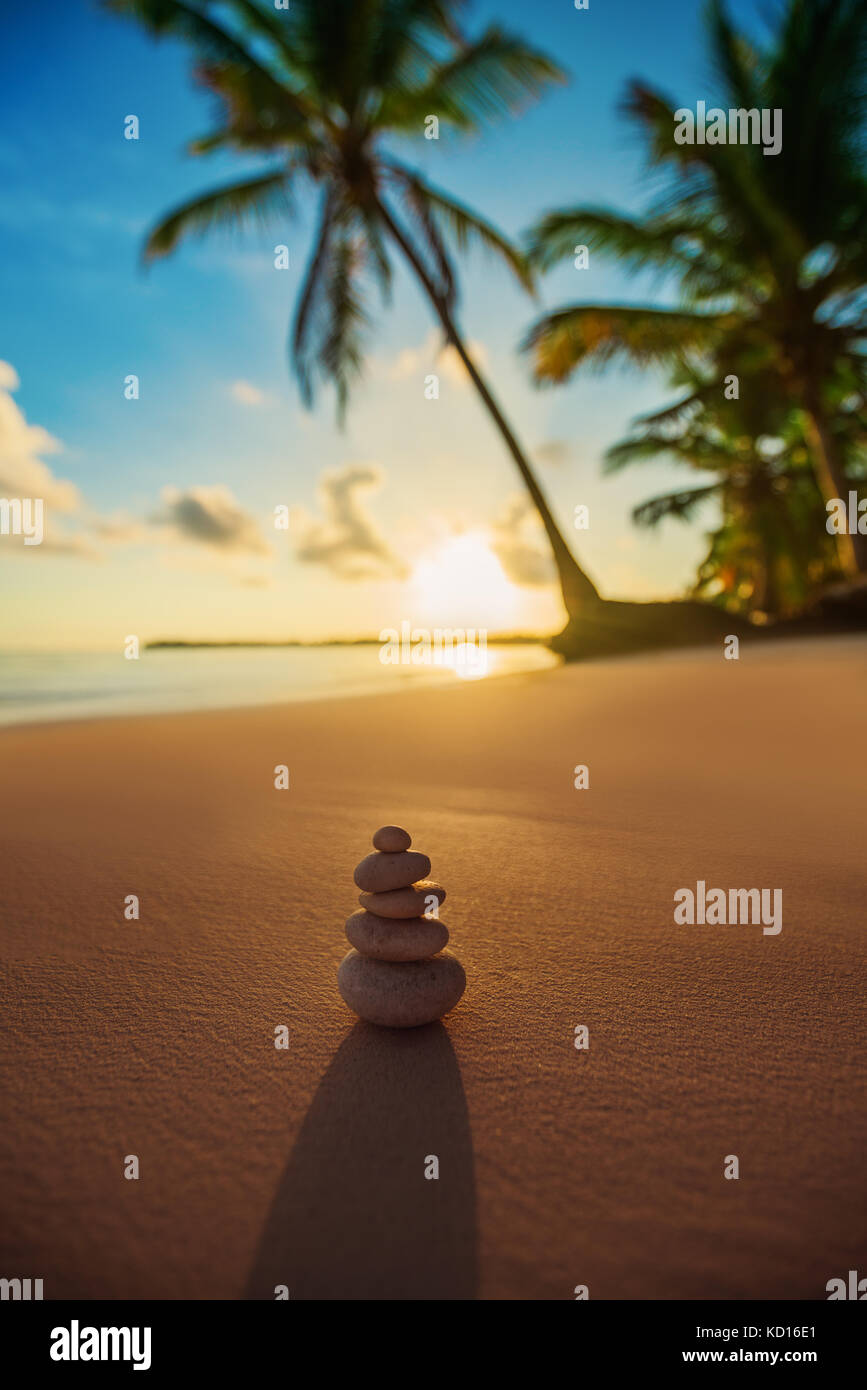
{"type": "Point", "coordinates": [401, 994]}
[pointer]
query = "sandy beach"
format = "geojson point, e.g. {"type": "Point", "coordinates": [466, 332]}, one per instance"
{"type": "Point", "coordinates": [558, 1167]}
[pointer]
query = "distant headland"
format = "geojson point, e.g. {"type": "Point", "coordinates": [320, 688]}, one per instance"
{"type": "Point", "coordinates": [508, 640]}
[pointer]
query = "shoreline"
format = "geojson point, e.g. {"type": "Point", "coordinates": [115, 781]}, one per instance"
{"type": "Point", "coordinates": [399, 687]}
{"type": "Point", "coordinates": [857, 641]}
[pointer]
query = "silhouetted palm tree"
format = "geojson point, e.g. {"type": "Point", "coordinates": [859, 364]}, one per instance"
{"type": "Point", "coordinates": [319, 88]}
{"type": "Point", "coordinates": [770, 250]}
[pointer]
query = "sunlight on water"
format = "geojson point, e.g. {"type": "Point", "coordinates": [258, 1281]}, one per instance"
{"type": "Point", "coordinates": [76, 685]}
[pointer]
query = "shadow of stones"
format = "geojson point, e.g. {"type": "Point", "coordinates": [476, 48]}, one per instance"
{"type": "Point", "coordinates": [354, 1216]}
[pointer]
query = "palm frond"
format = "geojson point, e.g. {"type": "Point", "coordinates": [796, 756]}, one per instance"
{"type": "Point", "coordinates": [190, 22]}
{"type": "Point", "coordinates": [638, 449]}
{"type": "Point", "coordinates": [441, 272]}
{"type": "Point", "coordinates": [494, 76]}
{"type": "Point", "coordinates": [639, 243]}
{"type": "Point", "coordinates": [267, 23]}
{"type": "Point", "coordinates": [734, 59]}
{"type": "Point", "coordinates": [680, 505]}
{"type": "Point", "coordinates": [233, 204]}
{"type": "Point", "coordinates": [310, 299]}
{"type": "Point", "coordinates": [680, 410]}
{"type": "Point", "coordinates": [404, 41]}
{"type": "Point", "coordinates": [599, 333]}
{"type": "Point", "coordinates": [821, 55]}
{"type": "Point", "coordinates": [341, 354]}
{"type": "Point", "coordinates": [460, 224]}
{"type": "Point", "coordinates": [737, 171]}
{"type": "Point", "coordinates": [257, 112]}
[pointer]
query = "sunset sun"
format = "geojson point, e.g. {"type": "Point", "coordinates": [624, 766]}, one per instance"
{"type": "Point", "coordinates": [462, 583]}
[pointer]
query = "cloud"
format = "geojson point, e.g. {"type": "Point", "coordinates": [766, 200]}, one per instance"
{"type": "Point", "coordinates": [555, 451]}
{"type": "Point", "coordinates": [247, 393]}
{"type": "Point", "coordinates": [211, 516]}
{"type": "Point", "coordinates": [520, 545]}
{"type": "Point", "coordinates": [22, 472]}
{"type": "Point", "coordinates": [23, 475]}
{"type": "Point", "coordinates": [347, 542]}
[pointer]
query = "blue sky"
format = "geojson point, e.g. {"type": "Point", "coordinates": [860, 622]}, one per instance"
{"type": "Point", "coordinates": [79, 314]}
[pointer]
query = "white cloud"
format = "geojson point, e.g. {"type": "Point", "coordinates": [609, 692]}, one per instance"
{"type": "Point", "coordinates": [246, 393]}
{"type": "Point", "coordinates": [22, 472]}
{"type": "Point", "coordinates": [347, 541]}
{"type": "Point", "coordinates": [210, 516]}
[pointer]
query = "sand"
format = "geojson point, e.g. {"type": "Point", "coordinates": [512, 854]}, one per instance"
{"type": "Point", "coordinates": [305, 1167]}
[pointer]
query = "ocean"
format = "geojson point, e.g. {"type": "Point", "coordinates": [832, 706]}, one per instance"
{"type": "Point", "coordinates": [43, 686]}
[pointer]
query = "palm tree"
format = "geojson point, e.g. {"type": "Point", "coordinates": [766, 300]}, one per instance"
{"type": "Point", "coordinates": [771, 551]}
{"type": "Point", "coordinates": [770, 251]}
{"type": "Point", "coordinates": [319, 88]}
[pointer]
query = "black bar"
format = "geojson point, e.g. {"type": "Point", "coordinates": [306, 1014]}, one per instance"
{"type": "Point", "coordinates": [231, 1339]}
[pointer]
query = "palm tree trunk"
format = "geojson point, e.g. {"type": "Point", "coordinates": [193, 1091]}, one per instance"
{"type": "Point", "coordinates": [577, 589]}
{"type": "Point", "coordinates": [833, 483]}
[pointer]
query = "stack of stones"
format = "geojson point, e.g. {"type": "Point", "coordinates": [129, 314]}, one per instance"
{"type": "Point", "coordinates": [398, 975]}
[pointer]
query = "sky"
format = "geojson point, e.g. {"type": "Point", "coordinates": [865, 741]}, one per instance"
{"type": "Point", "coordinates": [160, 511]}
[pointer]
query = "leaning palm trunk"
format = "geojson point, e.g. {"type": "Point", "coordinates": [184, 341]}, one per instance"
{"type": "Point", "coordinates": [322, 88]}
{"type": "Point", "coordinates": [577, 588]}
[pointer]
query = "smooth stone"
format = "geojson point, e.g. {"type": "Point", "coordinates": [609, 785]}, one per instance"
{"type": "Point", "coordinates": [391, 839]}
{"type": "Point", "coordinates": [401, 995]}
{"type": "Point", "coordinates": [390, 938]}
{"type": "Point", "coordinates": [381, 873]}
{"type": "Point", "coordinates": [403, 902]}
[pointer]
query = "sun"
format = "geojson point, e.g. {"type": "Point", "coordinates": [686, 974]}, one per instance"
{"type": "Point", "coordinates": [462, 584]}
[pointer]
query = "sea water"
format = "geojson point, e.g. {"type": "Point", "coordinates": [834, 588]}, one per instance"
{"type": "Point", "coordinates": [38, 686]}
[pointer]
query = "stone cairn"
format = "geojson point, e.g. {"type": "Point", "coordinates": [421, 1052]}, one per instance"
{"type": "Point", "coordinates": [398, 975]}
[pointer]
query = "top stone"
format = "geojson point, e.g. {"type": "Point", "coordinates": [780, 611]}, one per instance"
{"type": "Point", "coordinates": [391, 839]}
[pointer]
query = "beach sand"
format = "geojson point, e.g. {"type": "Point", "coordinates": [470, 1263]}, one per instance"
{"type": "Point", "coordinates": [558, 1167]}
